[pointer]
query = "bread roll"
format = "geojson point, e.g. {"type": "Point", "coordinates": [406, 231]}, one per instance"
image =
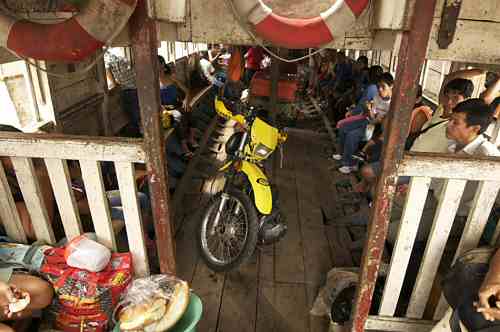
{"type": "Point", "coordinates": [175, 309]}
{"type": "Point", "coordinates": [135, 317]}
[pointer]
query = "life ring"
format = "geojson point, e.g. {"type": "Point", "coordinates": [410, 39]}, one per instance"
{"type": "Point", "coordinates": [72, 40]}
{"type": "Point", "coordinates": [301, 33]}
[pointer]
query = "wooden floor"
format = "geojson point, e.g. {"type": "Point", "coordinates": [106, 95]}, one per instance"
{"type": "Point", "coordinates": [275, 290]}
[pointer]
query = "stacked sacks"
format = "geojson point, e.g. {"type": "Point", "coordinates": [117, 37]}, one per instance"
{"type": "Point", "coordinates": [84, 300]}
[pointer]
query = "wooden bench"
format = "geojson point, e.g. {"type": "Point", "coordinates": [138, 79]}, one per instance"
{"type": "Point", "coordinates": [455, 172]}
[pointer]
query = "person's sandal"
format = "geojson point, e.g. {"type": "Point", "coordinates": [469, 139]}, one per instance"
{"type": "Point", "coordinates": [187, 156]}
{"type": "Point", "coordinates": [193, 146]}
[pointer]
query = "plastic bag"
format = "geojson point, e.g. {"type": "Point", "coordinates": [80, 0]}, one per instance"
{"type": "Point", "coordinates": [83, 300]}
{"type": "Point", "coordinates": [337, 280]}
{"type": "Point", "coordinates": [87, 254]}
{"type": "Point", "coordinates": [339, 287]}
{"type": "Point", "coordinates": [153, 304]}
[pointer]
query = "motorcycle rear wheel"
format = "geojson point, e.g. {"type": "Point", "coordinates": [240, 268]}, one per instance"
{"type": "Point", "coordinates": [235, 237]}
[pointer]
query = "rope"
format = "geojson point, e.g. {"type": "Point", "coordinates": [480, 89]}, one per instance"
{"type": "Point", "coordinates": [69, 75]}
{"type": "Point", "coordinates": [259, 42]}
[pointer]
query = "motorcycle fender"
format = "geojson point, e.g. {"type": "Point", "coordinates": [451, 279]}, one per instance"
{"type": "Point", "coordinates": [260, 185]}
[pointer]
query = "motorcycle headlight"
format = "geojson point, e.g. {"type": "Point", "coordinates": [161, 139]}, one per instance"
{"type": "Point", "coordinates": [262, 151]}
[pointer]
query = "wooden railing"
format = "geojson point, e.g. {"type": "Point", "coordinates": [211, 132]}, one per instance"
{"type": "Point", "coordinates": [89, 152]}
{"type": "Point", "coordinates": [455, 171]}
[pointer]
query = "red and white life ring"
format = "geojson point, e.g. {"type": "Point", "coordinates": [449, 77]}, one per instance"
{"type": "Point", "coordinates": [301, 33]}
{"type": "Point", "coordinates": [72, 40]}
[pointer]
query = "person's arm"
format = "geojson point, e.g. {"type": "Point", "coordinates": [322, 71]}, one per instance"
{"type": "Point", "coordinates": [418, 122]}
{"type": "Point", "coordinates": [111, 78]}
{"type": "Point", "coordinates": [212, 59]}
{"type": "Point", "coordinates": [489, 288]}
{"type": "Point", "coordinates": [6, 297]}
{"type": "Point", "coordinates": [181, 85]}
{"type": "Point", "coordinates": [492, 92]}
{"type": "Point", "coordinates": [186, 91]}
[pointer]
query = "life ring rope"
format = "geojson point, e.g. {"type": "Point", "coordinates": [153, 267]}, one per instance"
{"type": "Point", "coordinates": [301, 33]}
{"type": "Point", "coordinates": [72, 40]}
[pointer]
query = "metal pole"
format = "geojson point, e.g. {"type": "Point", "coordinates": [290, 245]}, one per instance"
{"type": "Point", "coordinates": [411, 57]}
{"type": "Point", "coordinates": [275, 77]}
{"type": "Point", "coordinates": [144, 41]}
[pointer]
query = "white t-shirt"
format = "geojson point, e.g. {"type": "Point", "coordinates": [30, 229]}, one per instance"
{"type": "Point", "coordinates": [478, 147]}
{"type": "Point", "coordinates": [493, 131]}
{"type": "Point", "coordinates": [381, 106]}
{"type": "Point", "coordinates": [207, 69]}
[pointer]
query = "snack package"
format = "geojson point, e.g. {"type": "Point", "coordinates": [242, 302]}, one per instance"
{"type": "Point", "coordinates": [87, 254]}
{"type": "Point", "coordinates": [84, 300]}
{"type": "Point", "coordinates": [153, 304]}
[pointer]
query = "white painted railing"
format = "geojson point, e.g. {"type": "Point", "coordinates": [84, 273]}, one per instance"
{"type": "Point", "coordinates": [455, 172]}
{"type": "Point", "coordinates": [89, 152]}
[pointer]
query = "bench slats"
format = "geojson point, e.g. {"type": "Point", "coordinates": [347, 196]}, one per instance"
{"type": "Point", "coordinates": [61, 184]}
{"type": "Point", "coordinates": [476, 221]}
{"type": "Point", "coordinates": [8, 212]}
{"type": "Point", "coordinates": [443, 221]}
{"type": "Point", "coordinates": [71, 147]}
{"type": "Point", "coordinates": [33, 198]}
{"type": "Point", "coordinates": [98, 202]}
{"type": "Point", "coordinates": [410, 220]}
{"type": "Point", "coordinates": [133, 220]}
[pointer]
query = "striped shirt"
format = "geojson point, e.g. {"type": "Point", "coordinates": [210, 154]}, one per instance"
{"type": "Point", "coordinates": [121, 69]}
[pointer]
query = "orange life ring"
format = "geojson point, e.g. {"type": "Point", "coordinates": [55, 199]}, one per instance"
{"type": "Point", "coordinates": [301, 33]}
{"type": "Point", "coordinates": [72, 40]}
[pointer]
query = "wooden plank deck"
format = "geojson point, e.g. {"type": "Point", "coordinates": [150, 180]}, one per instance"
{"type": "Point", "coordinates": [275, 290]}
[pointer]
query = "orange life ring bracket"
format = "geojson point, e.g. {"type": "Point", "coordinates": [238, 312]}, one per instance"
{"type": "Point", "coordinates": [301, 33]}
{"type": "Point", "coordinates": [72, 40]}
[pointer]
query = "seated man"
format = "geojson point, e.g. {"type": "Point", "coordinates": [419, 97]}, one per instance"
{"type": "Point", "coordinates": [207, 68]}
{"type": "Point", "coordinates": [465, 129]}
{"type": "Point", "coordinates": [432, 138]}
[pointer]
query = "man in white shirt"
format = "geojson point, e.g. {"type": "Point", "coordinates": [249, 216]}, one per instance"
{"type": "Point", "coordinates": [466, 126]}
{"type": "Point", "coordinates": [207, 68]}
{"type": "Point", "coordinates": [464, 130]}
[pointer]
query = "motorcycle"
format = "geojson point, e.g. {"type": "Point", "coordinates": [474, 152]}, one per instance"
{"type": "Point", "coordinates": [245, 213]}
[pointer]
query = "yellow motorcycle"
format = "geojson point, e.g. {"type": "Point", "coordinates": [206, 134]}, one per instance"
{"type": "Point", "coordinates": [245, 212]}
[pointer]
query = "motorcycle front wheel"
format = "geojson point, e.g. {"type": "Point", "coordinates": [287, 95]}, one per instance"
{"type": "Point", "coordinates": [233, 240]}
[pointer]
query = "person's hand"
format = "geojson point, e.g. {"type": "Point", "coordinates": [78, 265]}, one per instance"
{"type": "Point", "coordinates": [6, 297]}
{"type": "Point", "coordinates": [487, 290]}
{"type": "Point", "coordinates": [369, 106]}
